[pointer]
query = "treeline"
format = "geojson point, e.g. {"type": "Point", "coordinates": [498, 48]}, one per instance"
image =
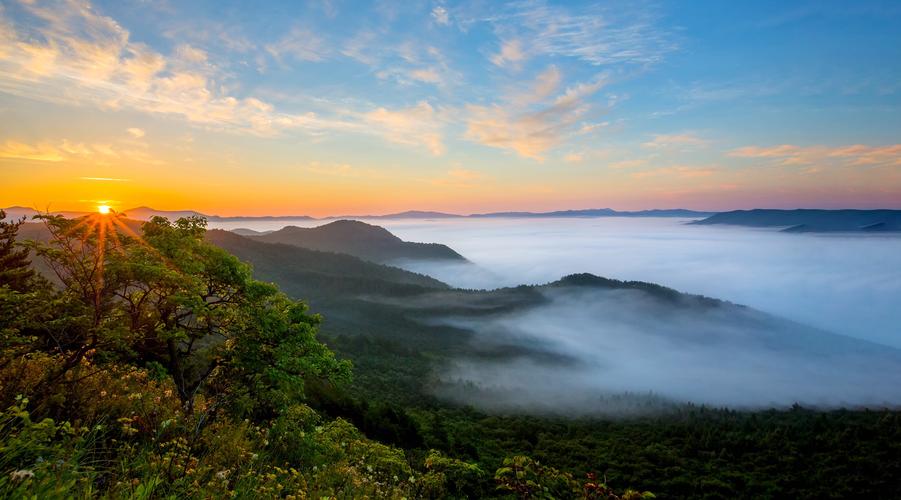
{"type": "Point", "coordinates": [151, 364]}
{"type": "Point", "coordinates": [674, 450]}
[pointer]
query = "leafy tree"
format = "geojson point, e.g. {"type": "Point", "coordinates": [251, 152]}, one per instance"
{"type": "Point", "coordinates": [15, 266]}
{"type": "Point", "coordinates": [276, 351]}
{"type": "Point", "coordinates": [167, 296]}
{"type": "Point", "coordinates": [23, 295]}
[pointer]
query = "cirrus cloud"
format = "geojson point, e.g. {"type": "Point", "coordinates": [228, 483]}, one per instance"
{"type": "Point", "coordinates": [852, 155]}
{"type": "Point", "coordinates": [531, 123]}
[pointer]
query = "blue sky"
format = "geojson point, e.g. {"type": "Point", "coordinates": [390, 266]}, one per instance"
{"type": "Point", "coordinates": [463, 106]}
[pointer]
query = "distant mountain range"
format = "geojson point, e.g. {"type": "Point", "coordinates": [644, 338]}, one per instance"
{"type": "Point", "coordinates": [368, 242]}
{"type": "Point", "coordinates": [145, 213]}
{"type": "Point", "coordinates": [797, 221]}
{"type": "Point", "coordinates": [601, 212]}
{"type": "Point", "coordinates": [808, 220]}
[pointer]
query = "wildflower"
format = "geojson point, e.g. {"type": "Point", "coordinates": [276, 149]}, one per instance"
{"type": "Point", "coordinates": [223, 474]}
{"type": "Point", "coordinates": [102, 394]}
{"type": "Point", "coordinates": [21, 474]}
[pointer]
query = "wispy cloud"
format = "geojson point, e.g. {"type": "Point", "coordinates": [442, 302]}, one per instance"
{"type": "Point", "coordinates": [34, 152]}
{"type": "Point", "coordinates": [74, 54]}
{"type": "Point", "coordinates": [683, 171]}
{"type": "Point", "coordinates": [419, 125]}
{"type": "Point", "coordinates": [530, 123]}
{"type": "Point", "coordinates": [441, 15]}
{"type": "Point", "coordinates": [852, 155]}
{"type": "Point", "coordinates": [686, 140]}
{"type": "Point", "coordinates": [338, 170]}
{"type": "Point", "coordinates": [104, 179]}
{"type": "Point", "coordinates": [55, 151]}
{"type": "Point", "coordinates": [510, 54]}
{"type": "Point", "coordinates": [408, 63]}
{"type": "Point", "coordinates": [299, 45]}
{"type": "Point", "coordinates": [135, 132]}
{"type": "Point", "coordinates": [625, 164]}
{"type": "Point", "coordinates": [596, 35]}
{"type": "Point", "coordinates": [66, 150]}
{"type": "Point", "coordinates": [459, 178]}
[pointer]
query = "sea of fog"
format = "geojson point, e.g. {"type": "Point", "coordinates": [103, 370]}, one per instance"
{"type": "Point", "coordinates": [848, 284]}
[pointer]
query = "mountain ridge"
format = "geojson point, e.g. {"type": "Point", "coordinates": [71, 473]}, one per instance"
{"type": "Point", "coordinates": [811, 220]}
{"type": "Point", "coordinates": [366, 241]}
{"type": "Point", "coordinates": [145, 213]}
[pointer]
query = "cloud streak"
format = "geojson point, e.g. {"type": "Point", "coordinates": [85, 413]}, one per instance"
{"type": "Point", "coordinates": [852, 155]}
{"type": "Point", "coordinates": [418, 125]}
{"type": "Point", "coordinates": [595, 35]}
{"type": "Point", "coordinates": [531, 123]}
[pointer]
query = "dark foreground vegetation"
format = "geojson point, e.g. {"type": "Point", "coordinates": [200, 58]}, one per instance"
{"type": "Point", "coordinates": [156, 366]}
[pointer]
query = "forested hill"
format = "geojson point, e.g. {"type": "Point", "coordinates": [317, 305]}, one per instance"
{"type": "Point", "coordinates": [806, 220]}
{"type": "Point", "coordinates": [309, 273]}
{"type": "Point", "coordinates": [362, 240]}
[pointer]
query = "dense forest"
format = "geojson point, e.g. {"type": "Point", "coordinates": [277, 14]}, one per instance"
{"type": "Point", "coordinates": [149, 361]}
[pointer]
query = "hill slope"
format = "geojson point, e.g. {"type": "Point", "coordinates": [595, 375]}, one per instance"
{"type": "Point", "coordinates": [808, 220]}
{"type": "Point", "coordinates": [359, 239]}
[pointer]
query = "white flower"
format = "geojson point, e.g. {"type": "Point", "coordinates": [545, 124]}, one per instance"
{"type": "Point", "coordinates": [222, 474]}
{"type": "Point", "coordinates": [21, 474]}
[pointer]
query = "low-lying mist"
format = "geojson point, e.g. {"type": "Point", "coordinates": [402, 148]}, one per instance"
{"type": "Point", "coordinates": [848, 284]}
{"type": "Point", "coordinates": [585, 349]}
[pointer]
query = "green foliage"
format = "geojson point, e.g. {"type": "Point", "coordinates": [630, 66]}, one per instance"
{"type": "Point", "coordinates": [275, 352]}
{"type": "Point", "coordinates": [15, 266]}
{"type": "Point", "coordinates": [155, 366]}
{"type": "Point", "coordinates": [40, 458]}
{"type": "Point", "coordinates": [526, 478]}
{"type": "Point", "coordinates": [446, 476]}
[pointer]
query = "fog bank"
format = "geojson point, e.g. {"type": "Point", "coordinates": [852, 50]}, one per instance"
{"type": "Point", "coordinates": [590, 346]}
{"type": "Point", "coordinates": [849, 284]}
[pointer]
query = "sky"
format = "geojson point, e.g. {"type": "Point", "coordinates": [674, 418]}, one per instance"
{"type": "Point", "coordinates": [335, 107]}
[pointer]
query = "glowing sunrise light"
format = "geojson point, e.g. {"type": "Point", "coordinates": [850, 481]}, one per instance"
{"type": "Point", "coordinates": [103, 209]}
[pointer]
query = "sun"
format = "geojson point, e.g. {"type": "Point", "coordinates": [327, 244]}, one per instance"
{"type": "Point", "coordinates": [103, 209]}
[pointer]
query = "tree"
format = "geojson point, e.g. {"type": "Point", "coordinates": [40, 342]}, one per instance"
{"type": "Point", "coordinates": [167, 296]}
{"type": "Point", "coordinates": [15, 266]}
{"type": "Point", "coordinates": [276, 351]}
{"type": "Point", "coordinates": [23, 295]}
